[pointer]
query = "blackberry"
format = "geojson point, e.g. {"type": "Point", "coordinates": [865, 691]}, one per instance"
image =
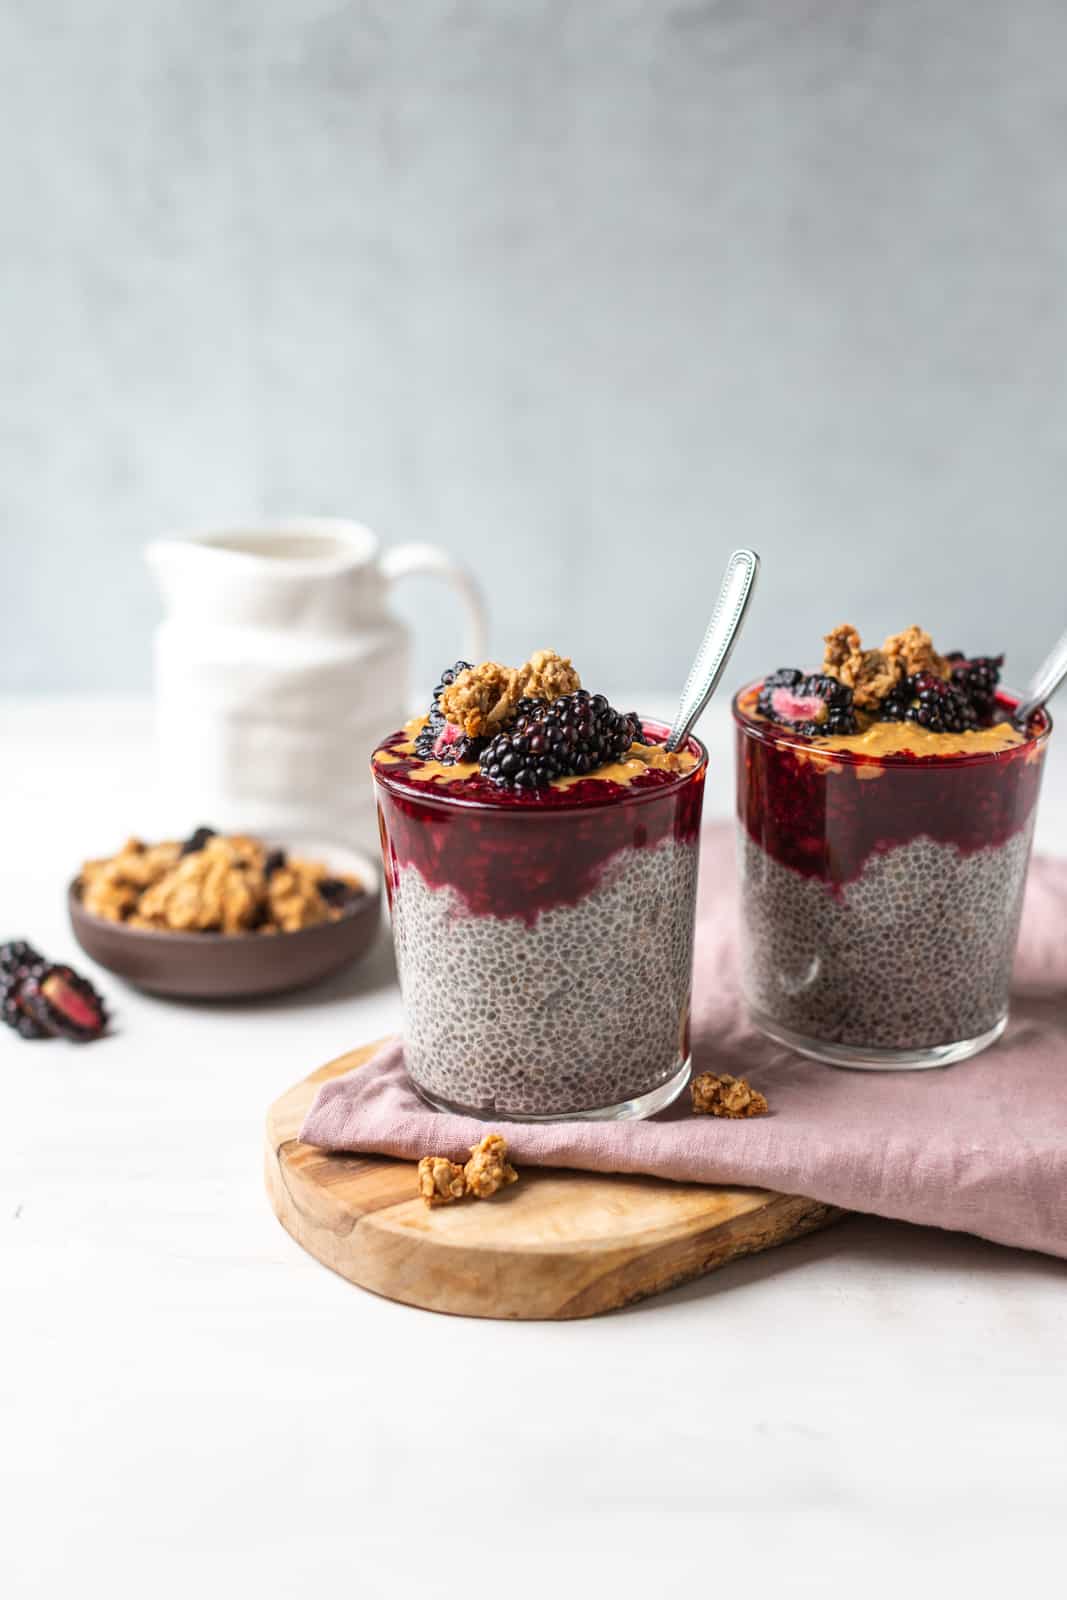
{"type": "Point", "coordinates": [62, 1002]}
{"type": "Point", "coordinates": [784, 678]}
{"type": "Point", "coordinates": [930, 701]}
{"type": "Point", "coordinates": [11, 1009]}
{"type": "Point", "coordinates": [894, 708]}
{"type": "Point", "coordinates": [976, 678]}
{"type": "Point", "coordinates": [527, 707]}
{"type": "Point", "coordinates": [17, 953]}
{"type": "Point", "coordinates": [816, 704]}
{"type": "Point", "coordinates": [335, 891]}
{"type": "Point", "coordinates": [571, 735]}
{"type": "Point", "coordinates": [441, 740]}
{"type": "Point", "coordinates": [197, 840]}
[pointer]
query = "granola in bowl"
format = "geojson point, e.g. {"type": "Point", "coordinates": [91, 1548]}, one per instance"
{"type": "Point", "coordinates": [214, 883]}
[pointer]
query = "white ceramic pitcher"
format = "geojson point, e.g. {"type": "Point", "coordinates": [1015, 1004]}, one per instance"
{"type": "Point", "coordinates": [278, 666]}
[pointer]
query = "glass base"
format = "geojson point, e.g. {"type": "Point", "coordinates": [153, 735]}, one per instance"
{"type": "Point", "coordinates": [874, 1058]}
{"type": "Point", "coordinates": [642, 1105]}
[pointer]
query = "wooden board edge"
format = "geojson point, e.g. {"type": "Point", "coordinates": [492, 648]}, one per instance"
{"type": "Point", "coordinates": [550, 1286]}
{"type": "Point", "coordinates": [785, 1219]}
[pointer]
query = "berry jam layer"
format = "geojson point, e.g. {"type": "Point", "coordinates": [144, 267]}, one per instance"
{"type": "Point", "coordinates": [510, 853]}
{"type": "Point", "coordinates": [825, 806]}
{"type": "Point", "coordinates": [914, 953]}
{"type": "Point", "coordinates": [584, 1009]}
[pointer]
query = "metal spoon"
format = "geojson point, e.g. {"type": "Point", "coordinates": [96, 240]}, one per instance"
{"type": "Point", "coordinates": [1044, 683]}
{"type": "Point", "coordinates": [738, 582]}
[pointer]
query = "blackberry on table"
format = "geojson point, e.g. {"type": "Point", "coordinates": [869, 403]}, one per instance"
{"type": "Point", "coordinates": [574, 734]}
{"type": "Point", "coordinates": [18, 953]}
{"type": "Point", "coordinates": [42, 1001]}
{"type": "Point", "coordinates": [815, 704]}
{"type": "Point", "coordinates": [63, 1003]}
{"type": "Point", "coordinates": [11, 1009]}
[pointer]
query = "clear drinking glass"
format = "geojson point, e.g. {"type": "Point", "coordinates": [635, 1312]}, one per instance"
{"type": "Point", "coordinates": [881, 896]}
{"type": "Point", "coordinates": [544, 941]}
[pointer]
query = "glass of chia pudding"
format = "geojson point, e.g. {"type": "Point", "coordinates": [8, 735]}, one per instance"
{"type": "Point", "coordinates": [540, 856]}
{"type": "Point", "coordinates": [886, 808]}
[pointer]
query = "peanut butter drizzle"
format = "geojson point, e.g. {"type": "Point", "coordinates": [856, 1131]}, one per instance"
{"type": "Point", "coordinates": [894, 738]}
{"type": "Point", "coordinates": [406, 747]}
{"type": "Point", "coordinates": [639, 758]}
{"type": "Point", "coordinates": [438, 772]}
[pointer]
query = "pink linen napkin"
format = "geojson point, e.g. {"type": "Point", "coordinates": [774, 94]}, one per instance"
{"type": "Point", "coordinates": [980, 1147]}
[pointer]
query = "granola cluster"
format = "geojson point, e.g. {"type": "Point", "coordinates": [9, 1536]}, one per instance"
{"type": "Point", "coordinates": [442, 1181]}
{"type": "Point", "coordinates": [873, 674]}
{"type": "Point", "coordinates": [726, 1096]}
{"type": "Point", "coordinates": [481, 699]}
{"type": "Point", "coordinates": [213, 883]}
{"type": "Point", "coordinates": [546, 676]}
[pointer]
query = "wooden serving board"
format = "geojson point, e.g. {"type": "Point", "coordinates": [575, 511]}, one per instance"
{"type": "Point", "coordinates": [556, 1244]}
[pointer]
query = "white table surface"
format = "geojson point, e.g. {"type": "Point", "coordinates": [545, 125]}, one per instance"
{"type": "Point", "coordinates": [191, 1405]}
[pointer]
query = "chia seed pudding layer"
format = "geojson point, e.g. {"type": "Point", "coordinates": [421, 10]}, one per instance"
{"type": "Point", "coordinates": [585, 1008]}
{"type": "Point", "coordinates": [916, 952]}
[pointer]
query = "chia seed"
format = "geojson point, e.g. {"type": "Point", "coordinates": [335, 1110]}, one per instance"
{"type": "Point", "coordinates": [584, 1009]}
{"type": "Point", "coordinates": [913, 954]}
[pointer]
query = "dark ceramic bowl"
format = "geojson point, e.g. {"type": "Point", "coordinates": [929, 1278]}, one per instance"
{"type": "Point", "coordinates": [236, 966]}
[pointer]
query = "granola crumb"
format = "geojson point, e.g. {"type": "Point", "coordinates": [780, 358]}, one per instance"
{"type": "Point", "coordinates": [547, 676]}
{"type": "Point", "coordinates": [488, 1168]}
{"type": "Point", "coordinates": [481, 699]}
{"type": "Point", "coordinates": [440, 1181]}
{"type": "Point", "coordinates": [873, 674]}
{"type": "Point", "coordinates": [914, 648]}
{"type": "Point", "coordinates": [726, 1096]}
{"type": "Point", "coordinates": [870, 674]}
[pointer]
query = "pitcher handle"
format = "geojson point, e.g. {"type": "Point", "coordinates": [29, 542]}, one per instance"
{"type": "Point", "coordinates": [404, 560]}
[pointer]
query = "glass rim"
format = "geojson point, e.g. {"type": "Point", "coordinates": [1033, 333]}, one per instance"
{"type": "Point", "coordinates": [771, 734]}
{"type": "Point", "coordinates": [626, 797]}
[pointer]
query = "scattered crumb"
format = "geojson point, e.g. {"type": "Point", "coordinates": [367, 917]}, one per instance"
{"type": "Point", "coordinates": [440, 1181]}
{"type": "Point", "coordinates": [724, 1096]}
{"type": "Point", "coordinates": [482, 698]}
{"type": "Point", "coordinates": [488, 1169]}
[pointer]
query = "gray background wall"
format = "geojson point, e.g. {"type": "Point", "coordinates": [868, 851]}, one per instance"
{"type": "Point", "coordinates": [587, 292]}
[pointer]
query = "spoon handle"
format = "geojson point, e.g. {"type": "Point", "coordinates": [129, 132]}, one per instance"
{"type": "Point", "coordinates": [1046, 680]}
{"type": "Point", "coordinates": [738, 582]}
